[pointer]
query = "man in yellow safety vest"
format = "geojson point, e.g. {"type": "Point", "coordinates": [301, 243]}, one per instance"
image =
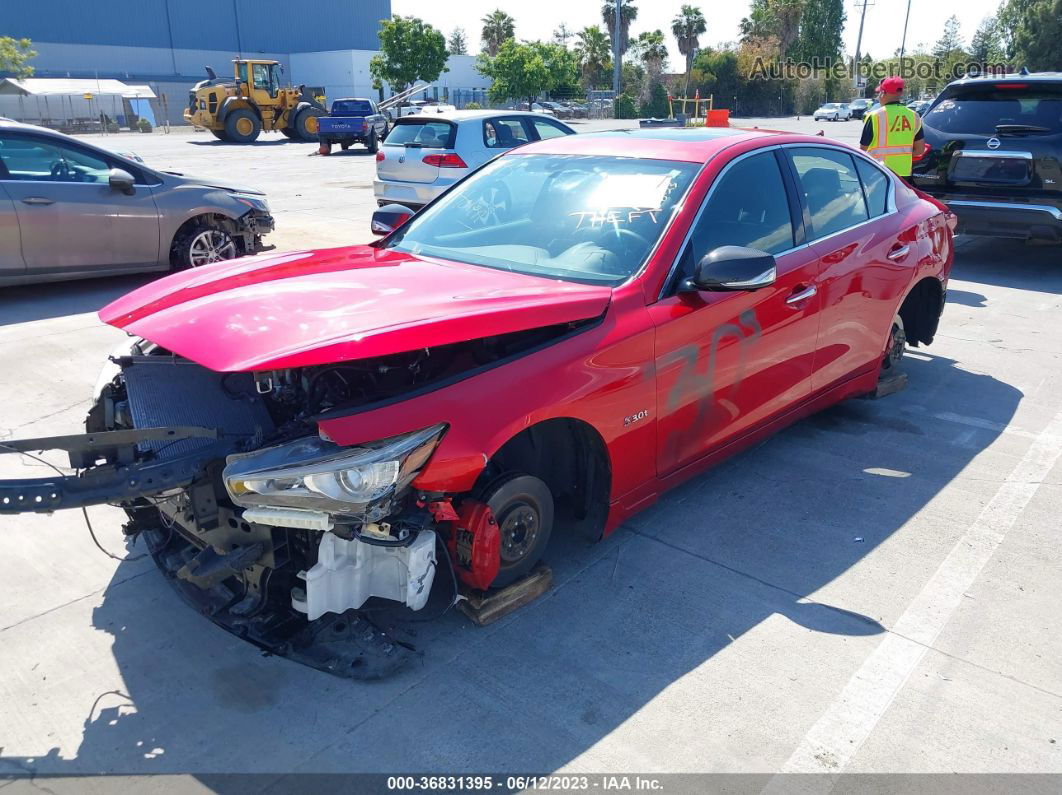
{"type": "Point", "coordinates": [892, 133]}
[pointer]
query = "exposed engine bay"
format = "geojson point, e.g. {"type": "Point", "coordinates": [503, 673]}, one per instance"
{"type": "Point", "coordinates": [302, 547]}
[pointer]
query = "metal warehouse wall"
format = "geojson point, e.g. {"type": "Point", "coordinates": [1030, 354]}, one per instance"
{"type": "Point", "coordinates": [247, 25]}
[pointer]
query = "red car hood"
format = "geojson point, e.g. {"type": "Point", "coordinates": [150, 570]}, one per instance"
{"type": "Point", "coordinates": [318, 307]}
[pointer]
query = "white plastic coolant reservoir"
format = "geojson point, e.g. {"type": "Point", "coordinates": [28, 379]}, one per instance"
{"type": "Point", "coordinates": [347, 573]}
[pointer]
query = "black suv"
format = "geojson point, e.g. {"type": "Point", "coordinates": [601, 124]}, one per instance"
{"type": "Point", "coordinates": [995, 155]}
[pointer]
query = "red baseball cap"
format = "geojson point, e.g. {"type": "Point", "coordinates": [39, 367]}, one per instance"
{"type": "Point", "coordinates": [891, 85]}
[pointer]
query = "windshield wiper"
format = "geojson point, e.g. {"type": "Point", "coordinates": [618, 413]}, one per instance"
{"type": "Point", "coordinates": [1020, 128]}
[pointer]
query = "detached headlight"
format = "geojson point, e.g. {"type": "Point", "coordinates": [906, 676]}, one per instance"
{"type": "Point", "coordinates": [315, 474]}
{"type": "Point", "coordinates": [251, 200]}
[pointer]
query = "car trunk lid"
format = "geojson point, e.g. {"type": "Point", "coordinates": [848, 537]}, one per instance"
{"type": "Point", "coordinates": [410, 141]}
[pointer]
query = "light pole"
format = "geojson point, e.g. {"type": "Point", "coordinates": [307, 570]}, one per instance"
{"type": "Point", "coordinates": [859, 42]}
{"type": "Point", "coordinates": [903, 41]}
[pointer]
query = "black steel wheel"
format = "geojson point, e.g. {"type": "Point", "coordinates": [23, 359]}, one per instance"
{"type": "Point", "coordinates": [373, 145]}
{"type": "Point", "coordinates": [523, 508]}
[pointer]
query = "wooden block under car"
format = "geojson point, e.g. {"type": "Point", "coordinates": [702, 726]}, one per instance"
{"type": "Point", "coordinates": [485, 607]}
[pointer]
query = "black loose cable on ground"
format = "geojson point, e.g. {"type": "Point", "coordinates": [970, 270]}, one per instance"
{"type": "Point", "coordinates": [88, 522]}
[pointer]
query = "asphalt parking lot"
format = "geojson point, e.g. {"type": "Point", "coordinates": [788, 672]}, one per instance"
{"type": "Point", "coordinates": [873, 590]}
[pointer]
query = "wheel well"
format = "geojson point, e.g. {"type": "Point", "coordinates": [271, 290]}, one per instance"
{"type": "Point", "coordinates": [204, 219]}
{"type": "Point", "coordinates": [570, 456]}
{"type": "Point", "coordinates": [920, 311]}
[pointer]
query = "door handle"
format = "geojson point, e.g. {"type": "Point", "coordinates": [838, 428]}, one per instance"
{"type": "Point", "coordinates": [803, 295]}
{"type": "Point", "coordinates": [899, 253]}
{"type": "Point", "coordinates": [37, 200]}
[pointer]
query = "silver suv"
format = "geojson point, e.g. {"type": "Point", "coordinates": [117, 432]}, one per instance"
{"type": "Point", "coordinates": [424, 155]}
{"type": "Point", "coordinates": [70, 210]}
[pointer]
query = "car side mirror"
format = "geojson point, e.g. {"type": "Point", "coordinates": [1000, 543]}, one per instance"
{"type": "Point", "coordinates": [732, 268]}
{"type": "Point", "coordinates": [389, 217]}
{"type": "Point", "coordinates": [122, 180]}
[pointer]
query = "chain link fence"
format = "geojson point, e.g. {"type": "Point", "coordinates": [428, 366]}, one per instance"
{"type": "Point", "coordinates": [563, 105]}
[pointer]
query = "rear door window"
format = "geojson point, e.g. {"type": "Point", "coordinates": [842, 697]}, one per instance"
{"type": "Point", "coordinates": [504, 133]}
{"type": "Point", "coordinates": [434, 134]}
{"type": "Point", "coordinates": [546, 129]}
{"type": "Point", "coordinates": [1023, 108]}
{"type": "Point", "coordinates": [875, 187]}
{"type": "Point", "coordinates": [831, 188]}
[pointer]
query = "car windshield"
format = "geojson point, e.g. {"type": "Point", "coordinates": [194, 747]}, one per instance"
{"type": "Point", "coordinates": [980, 110]}
{"type": "Point", "coordinates": [352, 107]}
{"type": "Point", "coordinates": [579, 218]}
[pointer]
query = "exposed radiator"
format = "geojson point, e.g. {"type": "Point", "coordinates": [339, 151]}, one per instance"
{"type": "Point", "coordinates": [164, 391]}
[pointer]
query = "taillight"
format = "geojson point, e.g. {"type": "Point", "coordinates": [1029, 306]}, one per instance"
{"type": "Point", "coordinates": [445, 161]}
{"type": "Point", "coordinates": [925, 153]}
{"type": "Point", "coordinates": [379, 156]}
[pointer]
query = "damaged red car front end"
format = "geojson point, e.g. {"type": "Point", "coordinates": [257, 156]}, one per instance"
{"type": "Point", "coordinates": [318, 446]}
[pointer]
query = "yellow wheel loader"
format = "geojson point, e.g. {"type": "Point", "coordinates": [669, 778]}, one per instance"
{"type": "Point", "coordinates": [238, 110]}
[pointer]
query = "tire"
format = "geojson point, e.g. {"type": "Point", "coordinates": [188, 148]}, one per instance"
{"type": "Point", "coordinates": [305, 124]}
{"type": "Point", "coordinates": [242, 126]}
{"type": "Point", "coordinates": [221, 135]}
{"type": "Point", "coordinates": [289, 133]}
{"type": "Point", "coordinates": [202, 244]}
{"type": "Point", "coordinates": [896, 346]}
{"type": "Point", "coordinates": [373, 145]}
{"type": "Point", "coordinates": [345, 146]}
{"type": "Point", "coordinates": [523, 507]}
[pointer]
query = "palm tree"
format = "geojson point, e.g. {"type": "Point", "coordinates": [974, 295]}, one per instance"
{"type": "Point", "coordinates": [592, 50]}
{"type": "Point", "coordinates": [497, 28]}
{"type": "Point", "coordinates": [651, 49]}
{"type": "Point", "coordinates": [687, 25]}
{"type": "Point", "coordinates": [628, 13]}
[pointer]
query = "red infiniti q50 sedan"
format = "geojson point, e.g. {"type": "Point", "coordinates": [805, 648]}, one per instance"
{"type": "Point", "coordinates": [567, 332]}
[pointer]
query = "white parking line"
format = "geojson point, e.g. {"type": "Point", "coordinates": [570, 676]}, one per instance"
{"type": "Point", "coordinates": [842, 729]}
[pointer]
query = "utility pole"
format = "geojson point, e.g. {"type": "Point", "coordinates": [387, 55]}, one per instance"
{"type": "Point", "coordinates": [903, 41]}
{"type": "Point", "coordinates": [859, 41]}
{"type": "Point", "coordinates": [616, 51]}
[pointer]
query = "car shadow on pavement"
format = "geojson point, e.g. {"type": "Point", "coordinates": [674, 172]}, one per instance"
{"type": "Point", "coordinates": [1009, 263]}
{"type": "Point", "coordinates": [59, 299]}
{"type": "Point", "coordinates": [682, 591]}
{"type": "Point", "coordinates": [272, 142]}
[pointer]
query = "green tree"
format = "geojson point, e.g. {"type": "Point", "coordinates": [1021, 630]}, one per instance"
{"type": "Point", "coordinates": [651, 49]}
{"type": "Point", "coordinates": [523, 71]}
{"type": "Point", "coordinates": [655, 107]}
{"type": "Point", "coordinates": [821, 31]}
{"type": "Point", "coordinates": [778, 19]}
{"type": "Point", "coordinates": [950, 41]}
{"type": "Point", "coordinates": [628, 13]}
{"type": "Point", "coordinates": [592, 50]}
{"type": "Point", "coordinates": [686, 27]}
{"type": "Point", "coordinates": [14, 56]}
{"type": "Point", "coordinates": [562, 35]}
{"type": "Point", "coordinates": [410, 50]}
{"type": "Point", "coordinates": [457, 44]}
{"type": "Point", "coordinates": [498, 27]}
{"type": "Point", "coordinates": [1037, 26]}
{"type": "Point", "coordinates": [985, 46]}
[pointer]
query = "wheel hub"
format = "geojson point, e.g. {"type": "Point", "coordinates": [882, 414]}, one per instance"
{"type": "Point", "coordinates": [210, 246]}
{"type": "Point", "coordinates": [519, 528]}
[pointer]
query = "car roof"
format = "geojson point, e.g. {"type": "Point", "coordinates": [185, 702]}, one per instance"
{"type": "Point", "coordinates": [462, 115]}
{"type": "Point", "coordinates": [1032, 77]}
{"type": "Point", "coordinates": [692, 144]}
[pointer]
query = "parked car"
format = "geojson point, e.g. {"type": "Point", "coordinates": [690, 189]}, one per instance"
{"type": "Point", "coordinates": [560, 110]}
{"type": "Point", "coordinates": [352, 121]}
{"type": "Point", "coordinates": [71, 210]}
{"type": "Point", "coordinates": [425, 155]}
{"type": "Point", "coordinates": [919, 106]}
{"type": "Point", "coordinates": [859, 107]}
{"type": "Point", "coordinates": [539, 107]}
{"type": "Point", "coordinates": [833, 111]}
{"type": "Point", "coordinates": [995, 155]}
{"type": "Point", "coordinates": [454, 395]}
